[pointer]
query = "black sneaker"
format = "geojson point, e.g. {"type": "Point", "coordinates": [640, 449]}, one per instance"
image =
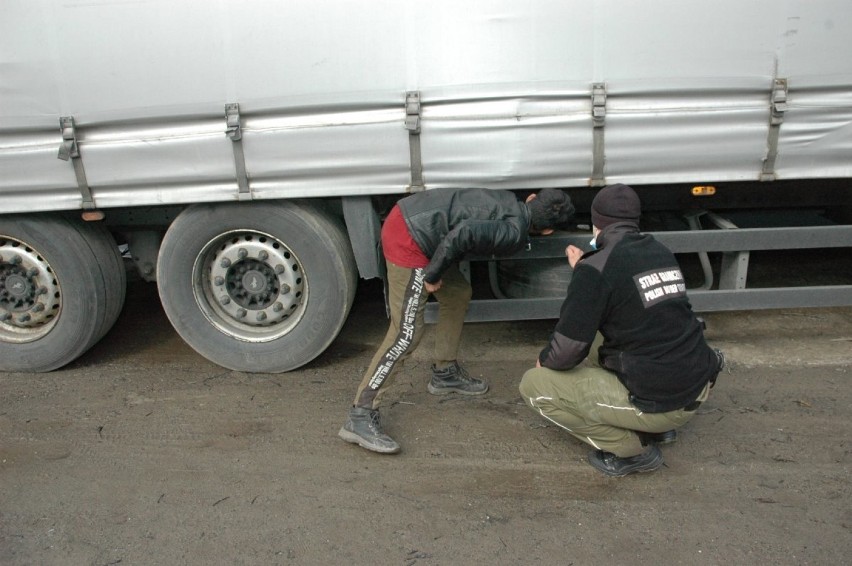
{"type": "Point", "coordinates": [363, 427]}
{"type": "Point", "coordinates": [658, 438]}
{"type": "Point", "coordinates": [612, 465]}
{"type": "Point", "coordinates": [455, 379]}
{"type": "Point", "coordinates": [723, 363]}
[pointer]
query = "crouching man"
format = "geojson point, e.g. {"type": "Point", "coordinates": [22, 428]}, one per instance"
{"type": "Point", "coordinates": [649, 368]}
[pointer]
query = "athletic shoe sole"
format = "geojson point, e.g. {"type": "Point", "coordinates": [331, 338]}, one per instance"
{"type": "Point", "coordinates": [353, 438]}
{"type": "Point", "coordinates": [447, 390]}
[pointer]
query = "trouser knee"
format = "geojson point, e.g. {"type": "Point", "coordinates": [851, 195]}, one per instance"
{"type": "Point", "coordinates": [530, 386]}
{"type": "Point", "coordinates": [455, 299]}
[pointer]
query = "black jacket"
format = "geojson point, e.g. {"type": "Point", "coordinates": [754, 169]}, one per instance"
{"type": "Point", "coordinates": [633, 292]}
{"type": "Point", "coordinates": [449, 224]}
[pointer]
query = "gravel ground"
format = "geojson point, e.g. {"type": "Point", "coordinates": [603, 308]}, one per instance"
{"type": "Point", "coordinates": [142, 452]}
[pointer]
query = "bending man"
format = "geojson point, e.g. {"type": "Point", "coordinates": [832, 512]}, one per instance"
{"type": "Point", "coordinates": [423, 238]}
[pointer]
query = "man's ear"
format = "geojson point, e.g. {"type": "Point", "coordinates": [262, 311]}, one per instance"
{"type": "Point", "coordinates": [529, 198]}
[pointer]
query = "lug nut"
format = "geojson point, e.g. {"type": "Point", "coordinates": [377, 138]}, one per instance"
{"type": "Point", "coordinates": [242, 313]}
{"type": "Point", "coordinates": [38, 307]}
{"type": "Point", "coordinates": [16, 259]}
{"type": "Point", "coordinates": [24, 318]}
{"type": "Point", "coordinates": [224, 300]}
{"type": "Point", "coordinates": [225, 263]}
{"type": "Point", "coordinates": [263, 255]}
{"type": "Point", "coordinates": [278, 307]}
{"type": "Point", "coordinates": [219, 281]}
{"type": "Point", "coordinates": [32, 272]}
{"type": "Point", "coordinates": [41, 291]}
{"type": "Point", "coordinates": [285, 289]}
{"type": "Point", "coordinates": [279, 269]}
{"type": "Point", "coordinates": [242, 253]}
{"type": "Point", "coordinates": [261, 316]}
{"type": "Point", "coordinates": [5, 316]}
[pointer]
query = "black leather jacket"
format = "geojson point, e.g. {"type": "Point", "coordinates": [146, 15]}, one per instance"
{"type": "Point", "coordinates": [449, 224]}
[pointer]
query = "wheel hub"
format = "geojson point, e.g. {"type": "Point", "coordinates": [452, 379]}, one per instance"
{"type": "Point", "coordinates": [255, 281]}
{"type": "Point", "coordinates": [17, 290]}
{"type": "Point", "coordinates": [252, 284]}
{"type": "Point", "coordinates": [29, 293]}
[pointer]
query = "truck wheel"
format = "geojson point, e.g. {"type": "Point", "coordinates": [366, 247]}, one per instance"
{"type": "Point", "coordinates": [113, 271]}
{"type": "Point", "coordinates": [61, 290]}
{"type": "Point", "coordinates": [541, 278]}
{"type": "Point", "coordinates": [257, 287]}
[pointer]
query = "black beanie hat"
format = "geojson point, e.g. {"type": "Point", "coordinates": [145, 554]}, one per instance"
{"type": "Point", "coordinates": [615, 203]}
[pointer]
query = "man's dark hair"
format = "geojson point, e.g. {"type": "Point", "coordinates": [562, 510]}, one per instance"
{"type": "Point", "coordinates": [551, 208]}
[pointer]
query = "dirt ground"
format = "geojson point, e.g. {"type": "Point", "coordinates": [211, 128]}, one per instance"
{"type": "Point", "coordinates": [142, 452]}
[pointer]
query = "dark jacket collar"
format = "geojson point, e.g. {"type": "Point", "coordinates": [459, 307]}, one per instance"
{"type": "Point", "coordinates": [615, 232]}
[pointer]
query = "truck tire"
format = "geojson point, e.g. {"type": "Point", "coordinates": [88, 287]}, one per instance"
{"type": "Point", "coordinates": [112, 269]}
{"type": "Point", "coordinates": [257, 287]}
{"type": "Point", "coordinates": [542, 278]}
{"type": "Point", "coordinates": [62, 287]}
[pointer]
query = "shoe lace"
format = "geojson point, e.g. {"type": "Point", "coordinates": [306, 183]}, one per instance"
{"type": "Point", "coordinates": [608, 458]}
{"type": "Point", "coordinates": [462, 375]}
{"type": "Point", "coordinates": [375, 422]}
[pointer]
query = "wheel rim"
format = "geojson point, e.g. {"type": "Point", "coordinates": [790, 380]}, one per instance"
{"type": "Point", "coordinates": [30, 300]}
{"type": "Point", "coordinates": [250, 286]}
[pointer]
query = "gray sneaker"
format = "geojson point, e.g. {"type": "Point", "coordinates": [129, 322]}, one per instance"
{"type": "Point", "coordinates": [363, 427]}
{"type": "Point", "coordinates": [455, 379]}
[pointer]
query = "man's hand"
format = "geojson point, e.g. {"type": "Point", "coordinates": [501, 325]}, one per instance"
{"type": "Point", "coordinates": [433, 287]}
{"type": "Point", "coordinates": [573, 253]}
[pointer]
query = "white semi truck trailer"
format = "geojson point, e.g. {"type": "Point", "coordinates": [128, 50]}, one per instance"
{"type": "Point", "coordinates": [243, 153]}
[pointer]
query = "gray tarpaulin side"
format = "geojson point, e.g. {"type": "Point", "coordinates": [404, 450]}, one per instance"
{"type": "Point", "coordinates": [506, 93]}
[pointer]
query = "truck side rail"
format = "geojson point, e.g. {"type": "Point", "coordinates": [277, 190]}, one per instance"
{"type": "Point", "coordinates": [732, 295]}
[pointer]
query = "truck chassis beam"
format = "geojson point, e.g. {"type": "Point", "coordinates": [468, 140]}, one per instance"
{"type": "Point", "coordinates": [730, 241]}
